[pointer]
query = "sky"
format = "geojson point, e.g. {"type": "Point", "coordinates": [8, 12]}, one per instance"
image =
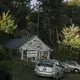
{"type": "Point", "coordinates": [34, 1]}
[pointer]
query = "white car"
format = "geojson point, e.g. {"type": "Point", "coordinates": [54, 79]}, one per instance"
{"type": "Point", "coordinates": [73, 66]}
{"type": "Point", "coordinates": [49, 68]}
{"type": "Point", "coordinates": [66, 68]}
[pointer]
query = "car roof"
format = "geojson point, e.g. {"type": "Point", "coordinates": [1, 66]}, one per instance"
{"type": "Point", "coordinates": [69, 62]}
{"type": "Point", "coordinates": [49, 61]}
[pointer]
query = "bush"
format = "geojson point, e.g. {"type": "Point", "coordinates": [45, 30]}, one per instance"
{"type": "Point", "coordinates": [5, 53]}
{"type": "Point", "coordinates": [64, 53]}
{"type": "Point", "coordinates": [4, 74]}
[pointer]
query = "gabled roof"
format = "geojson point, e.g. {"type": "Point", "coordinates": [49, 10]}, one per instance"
{"type": "Point", "coordinates": [19, 42]}
{"type": "Point", "coordinates": [35, 44]}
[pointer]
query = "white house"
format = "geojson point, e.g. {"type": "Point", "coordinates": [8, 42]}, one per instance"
{"type": "Point", "coordinates": [32, 49]}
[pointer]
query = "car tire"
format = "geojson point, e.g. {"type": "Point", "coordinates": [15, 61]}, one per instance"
{"type": "Point", "coordinates": [76, 70]}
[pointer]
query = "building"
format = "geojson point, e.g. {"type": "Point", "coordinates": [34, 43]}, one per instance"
{"type": "Point", "coordinates": [31, 49]}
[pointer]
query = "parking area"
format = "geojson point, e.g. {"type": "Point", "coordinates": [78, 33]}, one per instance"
{"type": "Point", "coordinates": [69, 76]}
{"type": "Point", "coordinates": [72, 76]}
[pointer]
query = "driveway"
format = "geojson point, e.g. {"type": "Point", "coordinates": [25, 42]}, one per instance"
{"type": "Point", "coordinates": [70, 76]}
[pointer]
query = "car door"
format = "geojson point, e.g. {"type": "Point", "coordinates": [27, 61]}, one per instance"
{"type": "Point", "coordinates": [59, 69]}
{"type": "Point", "coordinates": [72, 65]}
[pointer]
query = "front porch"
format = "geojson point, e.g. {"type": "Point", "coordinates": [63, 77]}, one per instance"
{"type": "Point", "coordinates": [35, 55]}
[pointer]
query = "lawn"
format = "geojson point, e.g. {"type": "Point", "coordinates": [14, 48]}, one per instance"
{"type": "Point", "coordinates": [21, 70]}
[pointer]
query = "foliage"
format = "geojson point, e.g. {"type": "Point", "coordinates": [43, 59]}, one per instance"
{"type": "Point", "coordinates": [7, 24]}
{"type": "Point", "coordinates": [72, 10]}
{"type": "Point", "coordinates": [63, 53]}
{"type": "Point", "coordinates": [5, 74]}
{"type": "Point", "coordinates": [69, 47]}
{"type": "Point", "coordinates": [5, 53]}
{"type": "Point", "coordinates": [75, 2]}
{"type": "Point", "coordinates": [72, 36]}
{"type": "Point", "coordinates": [19, 10]}
{"type": "Point", "coordinates": [53, 16]}
{"type": "Point", "coordinates": [19, 69]}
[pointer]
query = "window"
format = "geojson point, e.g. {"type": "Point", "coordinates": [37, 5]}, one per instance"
{"type": "Point", "coordinates": [25, 52]}
{"type": "Point", "coordinates": [46, 64]}
{"type": "Point", "coordinates": [58, 64]}
{"type": "Point", "coordinates": [72, 63]}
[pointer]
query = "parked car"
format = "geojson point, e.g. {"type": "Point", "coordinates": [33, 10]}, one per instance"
{"type": "Point", "coordinates": [65, 68]}
{"type": "Point", "coordinates": [49, 68]}
{"type": "Point", "coordinates": [73, 66]}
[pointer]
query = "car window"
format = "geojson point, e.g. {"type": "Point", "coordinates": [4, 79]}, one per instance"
{"type": "Point", "coordinates": [72, 63]}
{"type": "Point", "coordinates": [45, 64]}
{"type": "Point", "coordinates": [58, 64]}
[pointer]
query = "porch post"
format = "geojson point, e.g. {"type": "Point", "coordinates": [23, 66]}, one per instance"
{"type": "Point", "coordinates": [21, 55]}
{"type": "Point", "coordinates": [36, 56]}
{"type": "Point", "coordinates": [48, 57]}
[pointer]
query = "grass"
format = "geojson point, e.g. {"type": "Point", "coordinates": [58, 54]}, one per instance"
{"type": "Point", "coordinates": [20, 70]}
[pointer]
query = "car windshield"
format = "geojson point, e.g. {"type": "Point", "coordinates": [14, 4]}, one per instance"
{"type": "Point", "coordinates": [45, 63]}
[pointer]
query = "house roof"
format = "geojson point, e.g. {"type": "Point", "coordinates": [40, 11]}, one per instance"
{"type": "Point", "coordinates": [18, 42]}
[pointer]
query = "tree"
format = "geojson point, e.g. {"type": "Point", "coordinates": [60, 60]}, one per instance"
{"type": "Point", "coordinates": [71, 41]}
{"type": "Point", "coordinates": [71, 12]}
{"type": "Point", "coordinates": [72, 36]}
{"type": "Point", "coordinates": [19, 10]}
{"type": "Point", "coordinates": [7, 24]}
{"type": "Point", "coordinates": [49, 19]}
{"type": "Point", "coordinates": [5, 53]}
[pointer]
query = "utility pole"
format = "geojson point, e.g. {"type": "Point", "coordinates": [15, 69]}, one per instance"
{"type": "Point", "coordinates": [58, 37]}
{"type": "Point", "coordinates": [38, 19]}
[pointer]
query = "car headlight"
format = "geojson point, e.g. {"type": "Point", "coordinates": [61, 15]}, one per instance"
{"type": "Point", "coordinates": [39, 68]}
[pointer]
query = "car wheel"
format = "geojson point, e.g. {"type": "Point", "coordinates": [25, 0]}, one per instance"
{"type": "Point", "coordinates": [76, 70]}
